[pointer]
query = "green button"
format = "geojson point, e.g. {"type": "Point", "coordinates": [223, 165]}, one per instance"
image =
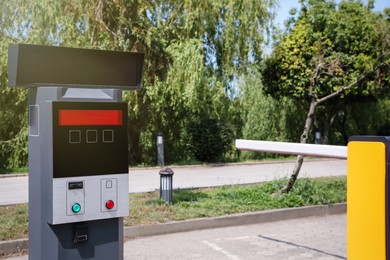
{"type": "Point", "coordinates": [76, 208]}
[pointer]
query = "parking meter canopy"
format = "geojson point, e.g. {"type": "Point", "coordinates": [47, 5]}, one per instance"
{"type": "Point", "coordinates": [34, 65]}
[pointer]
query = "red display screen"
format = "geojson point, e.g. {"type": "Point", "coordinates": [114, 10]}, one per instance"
{"type": "Point", "coordinates": [69, 117]}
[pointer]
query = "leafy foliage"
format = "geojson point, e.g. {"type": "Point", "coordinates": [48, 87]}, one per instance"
{"type": "Point", "coordinates": [193, 50]}
{"type": "Point", "coordinates": [209, 139]}
{"type": "Point", "coordinates": [14, 152]}
{"type": "Point", "coordinates": [13, 104]}
{"type": "Point", "coordinates": [264, 117]}
{"type": "Point", "coordinates": [199, 65]}
{"type": "Point", "coordinates": [333, 45]}
{"type": "Point", "coordinates": [330, 53]}
{"type": "Point", "coordinates": [362, 118]}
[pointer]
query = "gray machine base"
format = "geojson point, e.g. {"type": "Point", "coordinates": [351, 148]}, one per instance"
{"type": "Point", "coordinates": [104, 241]}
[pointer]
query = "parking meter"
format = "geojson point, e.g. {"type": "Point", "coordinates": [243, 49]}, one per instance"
{"type": "Point", "coordinates": [78, 149]}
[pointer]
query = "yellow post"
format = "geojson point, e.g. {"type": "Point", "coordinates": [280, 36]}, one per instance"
{"type": "Point", "coordinates": [366, 198]}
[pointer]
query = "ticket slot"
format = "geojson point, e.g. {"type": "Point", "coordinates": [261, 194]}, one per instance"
{"type": "Point", "coordinates": [75, 185]}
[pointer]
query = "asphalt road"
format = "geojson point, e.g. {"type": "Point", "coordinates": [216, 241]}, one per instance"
{"type": "Point", "coordinates": [320, 238]}
{"type": "Point", "coordinates": [15, 190]}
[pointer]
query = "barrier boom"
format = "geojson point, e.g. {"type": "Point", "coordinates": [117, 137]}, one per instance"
{"type": "Point", "coordinates": [318, 150]}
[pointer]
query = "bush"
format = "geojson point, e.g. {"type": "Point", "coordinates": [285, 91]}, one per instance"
{"type": "Point", "coordinates": [384, 130]}
{"type": "Point", "coordinates": [14, 152]}
{"type": "Point", "coordinates": [209, 139]}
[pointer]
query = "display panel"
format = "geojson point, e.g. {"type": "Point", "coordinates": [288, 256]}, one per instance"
{"type": "Point", "coordinates": [89, 138]}
{"type": "Point", "coordinates": [71, 117]}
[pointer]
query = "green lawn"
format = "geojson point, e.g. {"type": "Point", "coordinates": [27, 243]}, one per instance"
{"type": "Point", "coordinates": [147, 208]}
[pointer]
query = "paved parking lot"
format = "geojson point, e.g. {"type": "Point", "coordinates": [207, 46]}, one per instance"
{"type": "Point", "coordinates": [322, 238]}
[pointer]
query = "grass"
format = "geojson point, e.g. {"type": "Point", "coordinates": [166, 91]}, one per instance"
{"type": "Point", "coordinates": [147, 208]}
{"type": "Point", "coordinates": [14, 170]}
{"type": "Point", "coordinates": [13, 222]}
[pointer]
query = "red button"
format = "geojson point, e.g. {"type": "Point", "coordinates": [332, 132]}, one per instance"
{"type": "Point", "coordinates": [110, 204]}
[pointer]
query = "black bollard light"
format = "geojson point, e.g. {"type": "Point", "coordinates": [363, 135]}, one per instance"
{"type": "Point", "coordinates": [166, 185]}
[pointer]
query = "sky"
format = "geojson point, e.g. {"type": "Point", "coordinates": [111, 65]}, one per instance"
{"type": "Point", "coordinates": [285, 5]}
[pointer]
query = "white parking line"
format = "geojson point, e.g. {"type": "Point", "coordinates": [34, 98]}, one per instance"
{"type": "Point", "coordinates": [217, 248]}
{"type": "Point", "coordinates": [236, 238]}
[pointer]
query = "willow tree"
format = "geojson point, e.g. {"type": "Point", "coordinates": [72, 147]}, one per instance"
{"type": "Point", "coordinates": [193, 50]}
{"type": "Point", "coordinates": [328, 54]}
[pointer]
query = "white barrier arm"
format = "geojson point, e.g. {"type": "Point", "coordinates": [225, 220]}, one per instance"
{"type": "Point", "coordinates": [319, 150]}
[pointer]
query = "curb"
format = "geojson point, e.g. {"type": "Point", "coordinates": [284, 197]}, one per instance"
{"type": "Point", "coordinates": [235, 220]}
{"type": "Point", "coordinates": [13, 175]}
{"type": "Point", "coordinates": [212, 165]}
{"type": "Point", "coordinates": [13, 247]}
{"type": "Point", "coordinates": [20, 246]}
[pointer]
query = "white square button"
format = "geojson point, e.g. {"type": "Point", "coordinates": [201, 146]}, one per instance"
{"type": "Point", "coordinates": [108, 136]}
{"type": "Point", "coordinates": [74, 136]}
{"type": "Point", "coordinates": [92, 136]}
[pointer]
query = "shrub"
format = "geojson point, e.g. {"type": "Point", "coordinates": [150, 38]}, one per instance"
{"type": "Point", "coordinates": [209, 139]}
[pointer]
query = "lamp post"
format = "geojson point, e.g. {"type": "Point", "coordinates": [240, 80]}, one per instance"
{"type": "Point", "coordinates": [160, 149]}
{"type": "Point", "coordinates": [166, 174]}
{"type": "Point", "coordinates": [166, 185]}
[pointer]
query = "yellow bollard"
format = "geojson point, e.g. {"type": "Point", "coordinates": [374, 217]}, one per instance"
{"type": "Point", "coordinates": [366, 197]}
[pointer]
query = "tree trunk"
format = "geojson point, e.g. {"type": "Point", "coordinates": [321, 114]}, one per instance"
{"type": "Point", "coordinates": [310, 117]}
{"type": "Point", "coordinates": [304, 136]}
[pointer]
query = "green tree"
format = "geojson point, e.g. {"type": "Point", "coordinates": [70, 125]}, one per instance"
{"type": "Point", "coordinates": [330, 53]}
{"type": "Point", "coordinates": [362, 118]}
{"type": "Point", "coordinates": [193, 50]}
{"type": "Point", "coordinates": [205, 43]}
{"type": "Point", "coordinates": [264, 117]}
{"type": "Point", "coordinates": [13, 116]}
